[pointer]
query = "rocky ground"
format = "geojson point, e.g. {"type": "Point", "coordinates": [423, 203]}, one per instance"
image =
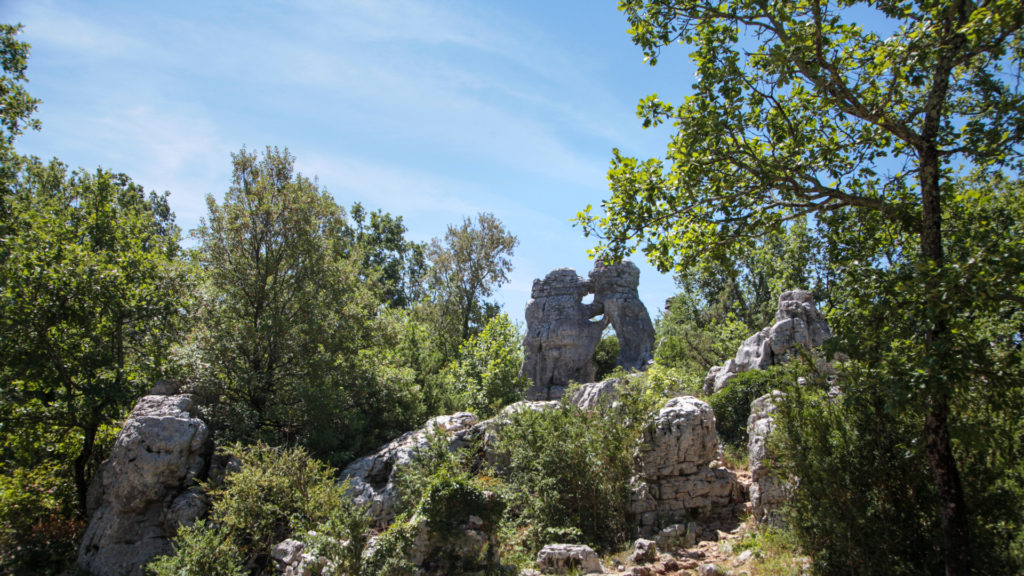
{"type": "Point", "coordinates": [724, 548]}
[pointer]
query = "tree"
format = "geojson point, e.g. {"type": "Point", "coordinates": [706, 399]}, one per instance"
{"type": "Point", "coordinates": [400, 263]}
{"type": "Point", "coordinates": [485, 378]}
{"type": "Point", "coordinates": [287, 310]}
{"type": "Point", "coordinates": [798, 110]}
{"type": "Point", "coordinates": [465, 269]}
{"type": "Point", "coordinates": [16, 109]}
{"type": "Point", "coordinates": [90, 303]}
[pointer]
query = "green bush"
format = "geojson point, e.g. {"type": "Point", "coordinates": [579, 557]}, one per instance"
{"type": "Point", "coordinates": [389, 553]}
{"type": "Point", "coordinates": [606, 356]}
{"type": "Point", "coordinates": [485, 377]}
{"type": "Point", "coordinates": [732, 403]}
{"type": "Point", "coordinates": [279, 493]}
{"type": "Point", "coordinates": [452, 498]}
{"type": "Point", "coordinates": [39, 530]}
{"type": "Point", "coordinates": [200, 550]}
{"type": "Point", "coordinates": [865, 500]}
{"type": "Point", "coordinates": [568, 471]}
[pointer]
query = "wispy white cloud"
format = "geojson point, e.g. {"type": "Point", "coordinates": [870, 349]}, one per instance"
{"type": "Point", "coordinates": [63, 28]}
{"type": "Point", "coordinates": [180, 151]}
{"type": "Point", "coordinates": [391, 187]}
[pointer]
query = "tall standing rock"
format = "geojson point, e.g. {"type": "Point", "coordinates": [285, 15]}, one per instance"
{"type": "Point", "coordinates": [143, 491]}
{"type": "Point", "coordinates": [615, 291]}
{"type": "Point", "coordinates": [562, 332]}
{"type": "Point", "coordinates": [769, 491]}
{"type": "Point", "coordinates": [560, 337]}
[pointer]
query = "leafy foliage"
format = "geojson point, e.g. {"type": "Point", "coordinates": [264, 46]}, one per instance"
{"type": "Point", "coordinates": [465, 268]}
{"type": "Point", "coordinates": [90, 303]}
{"type": "Point", "coordinates": [275, 494]}
{"type": "Point", "coordinates": [803, 111]}
{"type": "Point", "coordinates": [290, 344]}
{"type": "Point", "coordinates": [606, 356]}
{"type": "Point", "coordinates": [16, 110]}
{"type": "Point", "coordinates": [401, 264]}
{"type": "Point", "coordinates": [568, 471]}
{"type": "Point", "coordinates": [200, 550]}
{"type": "Point", "coordinates": [863, 502]}
{"type": "Point", "coordinates": [485, 378]}
{"type": "Point", "coordinates": [38, 533]}
{"type": "Point", "coordinates": [732, 403]}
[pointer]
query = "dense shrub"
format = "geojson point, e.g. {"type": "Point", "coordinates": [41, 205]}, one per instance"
{"type": "Point", "coordinates": [568, 471]}
{"type": "Point", "coordinates": [606, 356]}
{"type": "Point", "coordinates": [388, 556]}
{"type": "Point", "coordinates": [277, 493]}
{"type": "Point", "coordinates": [200, 550]}
{"type": "Point", "coordinates": [865, 500]}
{"type": "Point", "coordinates": [446, 495]}
{"type": "Point", "coordinates": [38, 530]}
{"type": "Point", "coordinates": [732, 403]}
{"type": "Point", "coordinates": [485, 377]}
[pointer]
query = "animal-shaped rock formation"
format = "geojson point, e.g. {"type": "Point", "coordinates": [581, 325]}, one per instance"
{"type": "Point", "coordinates": [562, 332]}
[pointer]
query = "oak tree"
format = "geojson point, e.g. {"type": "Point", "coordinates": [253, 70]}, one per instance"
{"type": "Point", "coordinates": [827, 109]}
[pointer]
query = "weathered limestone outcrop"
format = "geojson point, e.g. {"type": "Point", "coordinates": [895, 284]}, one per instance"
{"type": "Point", "coordinates": [615, 291]}
{"type": "Point", "coordinates": [588, 396]}
{"type": "Point", "coordinates": [372, 478]}
{"type": "Point", "coordinates": [798, 324]}
{"type": "Point", "coordinates": [675, 481]}
{"type": "Point", "coordinates": [768, 492]}
{"type": "Point", "coordinates": [560, 337]}
{"type": "Point", "coordinates": [146, 488]}
{"type": "Point", "coordinates": [562, 332]}
{"type": "Point", "coordinates": [569, 558]}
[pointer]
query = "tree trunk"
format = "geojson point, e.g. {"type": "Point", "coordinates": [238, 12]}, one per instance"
{"type": "Point", "coordinates": [81, 481]}
{"type": "Point", "coordinates": [938, 448]}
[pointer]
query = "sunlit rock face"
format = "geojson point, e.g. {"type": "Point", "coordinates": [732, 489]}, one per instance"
{"type": "Point", "coordinates": [146, 488]}
{"type": "Point", "coordinates": [562, 332]}
{"type": "Point", "coordinates": [615, 291]}
{"type": "Point", "coordinates": [798, 325]}
{"type": "Point", "coordinates": [675, 478]}
{"type": "Point", "coordinates": [769, 491]}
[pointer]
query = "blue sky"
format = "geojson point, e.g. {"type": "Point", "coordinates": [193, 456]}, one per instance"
{"type": "Point", "coordinates": [434, 110]}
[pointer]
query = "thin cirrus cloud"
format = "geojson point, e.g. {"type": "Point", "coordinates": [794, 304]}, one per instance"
{"type": "Point", "coordinates": [433, 110]}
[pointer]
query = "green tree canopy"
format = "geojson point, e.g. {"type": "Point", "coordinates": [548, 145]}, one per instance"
{"type": "Point", "coordinates": [798, 109]}
{"type": "Point", "coordinates": [90, 303]}
{"type": "Point", "coordinates": [399, 263]}
{"type": "Point", "coordinates": [287, 308]}
{"type": "Point", "coordinates": [16, 110]}
{"type": "Point", "coordinates": [466, 266]}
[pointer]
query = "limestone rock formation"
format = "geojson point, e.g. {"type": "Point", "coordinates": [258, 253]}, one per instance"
{"type": "Point", "coordinates": [372, 478]}
{"type": "Point", "coordinates": [145, 489]}
{"type": "Point", "coordinates": [798, 324]}
{"type": "Point", "coordinates": [560, 336]}
{"type": "Point", "coordinates": [562, 332]}
{"type": "Point", "coordinates": [566, 558]}
{"type": "Point", "coordinates": [588, 396]}
{"type": "Point", "coordinates": [644, 551]}
{"type": "Point", "coordinates": [768, 492]}
{"type": "Point", "coordinates": [675, 481]}
{"type": "Point", "coordinates": [615, 291]}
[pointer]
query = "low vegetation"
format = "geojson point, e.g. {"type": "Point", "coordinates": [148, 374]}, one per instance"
{"type": "Point", "coordinates": [311, 333]}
